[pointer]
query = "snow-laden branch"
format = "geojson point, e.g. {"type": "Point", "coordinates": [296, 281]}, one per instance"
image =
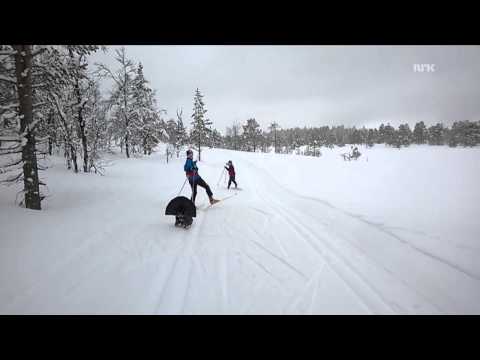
{"type": "Point", "coordinates": [104, 71]}
{"type": "Point", "coordinates": [8, 79]}
{"type": "Point", "coordinates": [7, 52]}
{"type": "Point", "coordinates": [42, 103]}
{"type": "Point", "coordinates": [9, 106]}
{"type": "Point", "coordinates": [10, 138]}
{"type": "Point", "coordinates": [39, 51]}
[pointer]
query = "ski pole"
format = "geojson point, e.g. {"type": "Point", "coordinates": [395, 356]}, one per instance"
{"type": "Point", "coordinates": [220, 178]}
{"type": "Point", "coordinates": [182, 187]}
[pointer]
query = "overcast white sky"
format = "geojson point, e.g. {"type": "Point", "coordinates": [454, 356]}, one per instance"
{"type": "Point", "coordinates": [313, 85]}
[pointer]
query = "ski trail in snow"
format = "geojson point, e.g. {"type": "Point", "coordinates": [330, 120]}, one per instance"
{"type": "Point", "coordinates": [287, 264]}
{"type": "Point", "coordinates": [380, 227]}
{"type": "Point", "coordinates": [360, 287]}
{"type": "Point", "coordinates": [427, 300]}
{"type": "Point", "coordinates": [177, 285]}
{"type": "Point", "coordinates": [366, 293]}
{"type": "Point", "coordinates": [223, 272]}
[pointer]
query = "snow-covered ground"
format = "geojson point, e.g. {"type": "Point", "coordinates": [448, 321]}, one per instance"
{"type": "Point", "coordinates": [395, 232]}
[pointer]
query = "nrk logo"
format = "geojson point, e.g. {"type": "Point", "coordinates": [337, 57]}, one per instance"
{"type": "Point", "coordinates": [424, 68]}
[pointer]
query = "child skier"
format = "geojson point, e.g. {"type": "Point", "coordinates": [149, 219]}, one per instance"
{"type": "Point", "coordinates": [231, 173]}
{"type": "Point", "coordinates": [194, 179]}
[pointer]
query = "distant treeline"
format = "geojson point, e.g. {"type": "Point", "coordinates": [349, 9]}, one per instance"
{"type": "Point", "coordinates": [249, 136]}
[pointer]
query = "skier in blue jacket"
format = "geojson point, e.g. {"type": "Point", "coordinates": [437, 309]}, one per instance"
{"type": "Point", "coordinates": [194, 178]}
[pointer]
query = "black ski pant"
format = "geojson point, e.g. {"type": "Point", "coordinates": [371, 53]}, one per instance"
{"type": "Point", "coordinates": [199, 182]}
{"type": "Point", "coordinates": [232, 179]}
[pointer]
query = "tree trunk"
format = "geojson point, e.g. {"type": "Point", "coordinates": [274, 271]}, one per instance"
{"type": "Point", "coordinates": [81, 125]}
{"type": "Point", "coordinates": [23, 70]}
{"type": "Point", "coordinates": [126, 118]}
{"type": "Point", "coordinates": [127, 152]}
{"type": "Point", "coordinates": [199, 149]}
{"type": "Point", "coordinates": [66, 154]}
{"type": "Point", "coordinates": [73, 153]}
{"type": "Point", "coordinates": [50, 136]}
{"type": "Point", "coordinates": [85, 148]}
{"type": "Point", "coordinates": [275, 141]}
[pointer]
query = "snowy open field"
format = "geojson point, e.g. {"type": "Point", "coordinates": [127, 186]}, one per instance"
{"type": "Point", "coordinates": [397, 234]}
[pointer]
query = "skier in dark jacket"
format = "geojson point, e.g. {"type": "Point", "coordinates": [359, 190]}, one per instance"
{"type": "Point", "coordinates": [194, 179]}
{"type": "Point", "coordinates": [231, 174]}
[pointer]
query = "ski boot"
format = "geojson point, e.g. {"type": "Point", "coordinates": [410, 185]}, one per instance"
{"type": "Point", "coordinates": [213, 201]}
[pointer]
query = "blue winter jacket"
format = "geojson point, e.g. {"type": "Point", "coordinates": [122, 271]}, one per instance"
{"type": "Point", "coordinates": [191, 169]}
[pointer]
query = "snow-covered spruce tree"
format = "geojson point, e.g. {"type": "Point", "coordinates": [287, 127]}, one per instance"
{"type": "Point", "coordinates": [471, 133]}
{"type": "Point", "coordinates": [200, 124]}
{"type": "Point", "coordinates": [404, 135]}
{"type": "Point", "coordinates": [370, 138]}
{"type": "Point", "coordinates": [235, 133]}
{"type": "Point", "coordinates": [180, 133]}
{"type": "Point", "coordinates": [464, 133]}
{"type": "Point", "coordinates": [331, 139]}
{"type": "Point", "coordinates": [121, 100]}
{"type": "Point", "coordinates": [173, 140]}
{"type": "Point", "coordinates": [389, 135]}
{"type": "Point", "coordinates": [147, 126]}
{"type": "Point", "coordinates": [216, 138]}
{"type": "Point", "coordinates": [273, 128]}
{"type": "Point", "coordinates": [357, 137]}
{"type": "Point", "coordinates": [251, 131]}
{"type": "Point", "coordinates": [420, 133]}
{"type": "Point", "coordinates": [436, 134]}
{"type": "Point", "coordinates": [381, 135]}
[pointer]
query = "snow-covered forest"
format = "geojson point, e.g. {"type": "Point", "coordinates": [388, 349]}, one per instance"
{"type": "Point", "coordinates": [50, 102]}
{"type": "Point", "coordinates": [93, 148]}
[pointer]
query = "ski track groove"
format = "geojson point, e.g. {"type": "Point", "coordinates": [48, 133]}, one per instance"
{"type": "Point", "coordinates": [379, 227]}
{"type": "Point", "coordinates": [264, 269]}
{"type": "Point", "coordinates": [382, 229]}
{"type": "Point", "coordinates": [287, 264]}
{"type": "Point", "coordinates": [297, 297]}
{"type": "Point", "coordinates": [55, 270]}
{"type": "Point", "coordinates": [304, 233]}
{"type": "Point", "coordinates": [224, 275]}
{"type": "Point", "coordinates": [188, 242]}
{"type": "Point", "coordinates": [302, 230]}
{"type": "Point", "coordinates": [388, 271]}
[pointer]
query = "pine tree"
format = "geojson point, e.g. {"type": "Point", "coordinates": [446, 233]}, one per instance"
{"type": "Point", "coordinates": [381, 135]}
{"type": "Point", "coordinates": [436, 134]}
{"type": "Point", "coordinates": [147, 127]}
{"type": "Point", "coordinates": [181, 133]}
{"type": "Point", "coordinates": [389, 135]}
{"type": "Point", "coordinates": [404, 135]}
{"type": "Point", "coordinates": [273, 128]}
{"type": "Point", "coordinates": [420, 133]}
{"type": "Point", "coordinates": [251, 131]}
{"type": "Point", "coordinates": [200, 124]}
